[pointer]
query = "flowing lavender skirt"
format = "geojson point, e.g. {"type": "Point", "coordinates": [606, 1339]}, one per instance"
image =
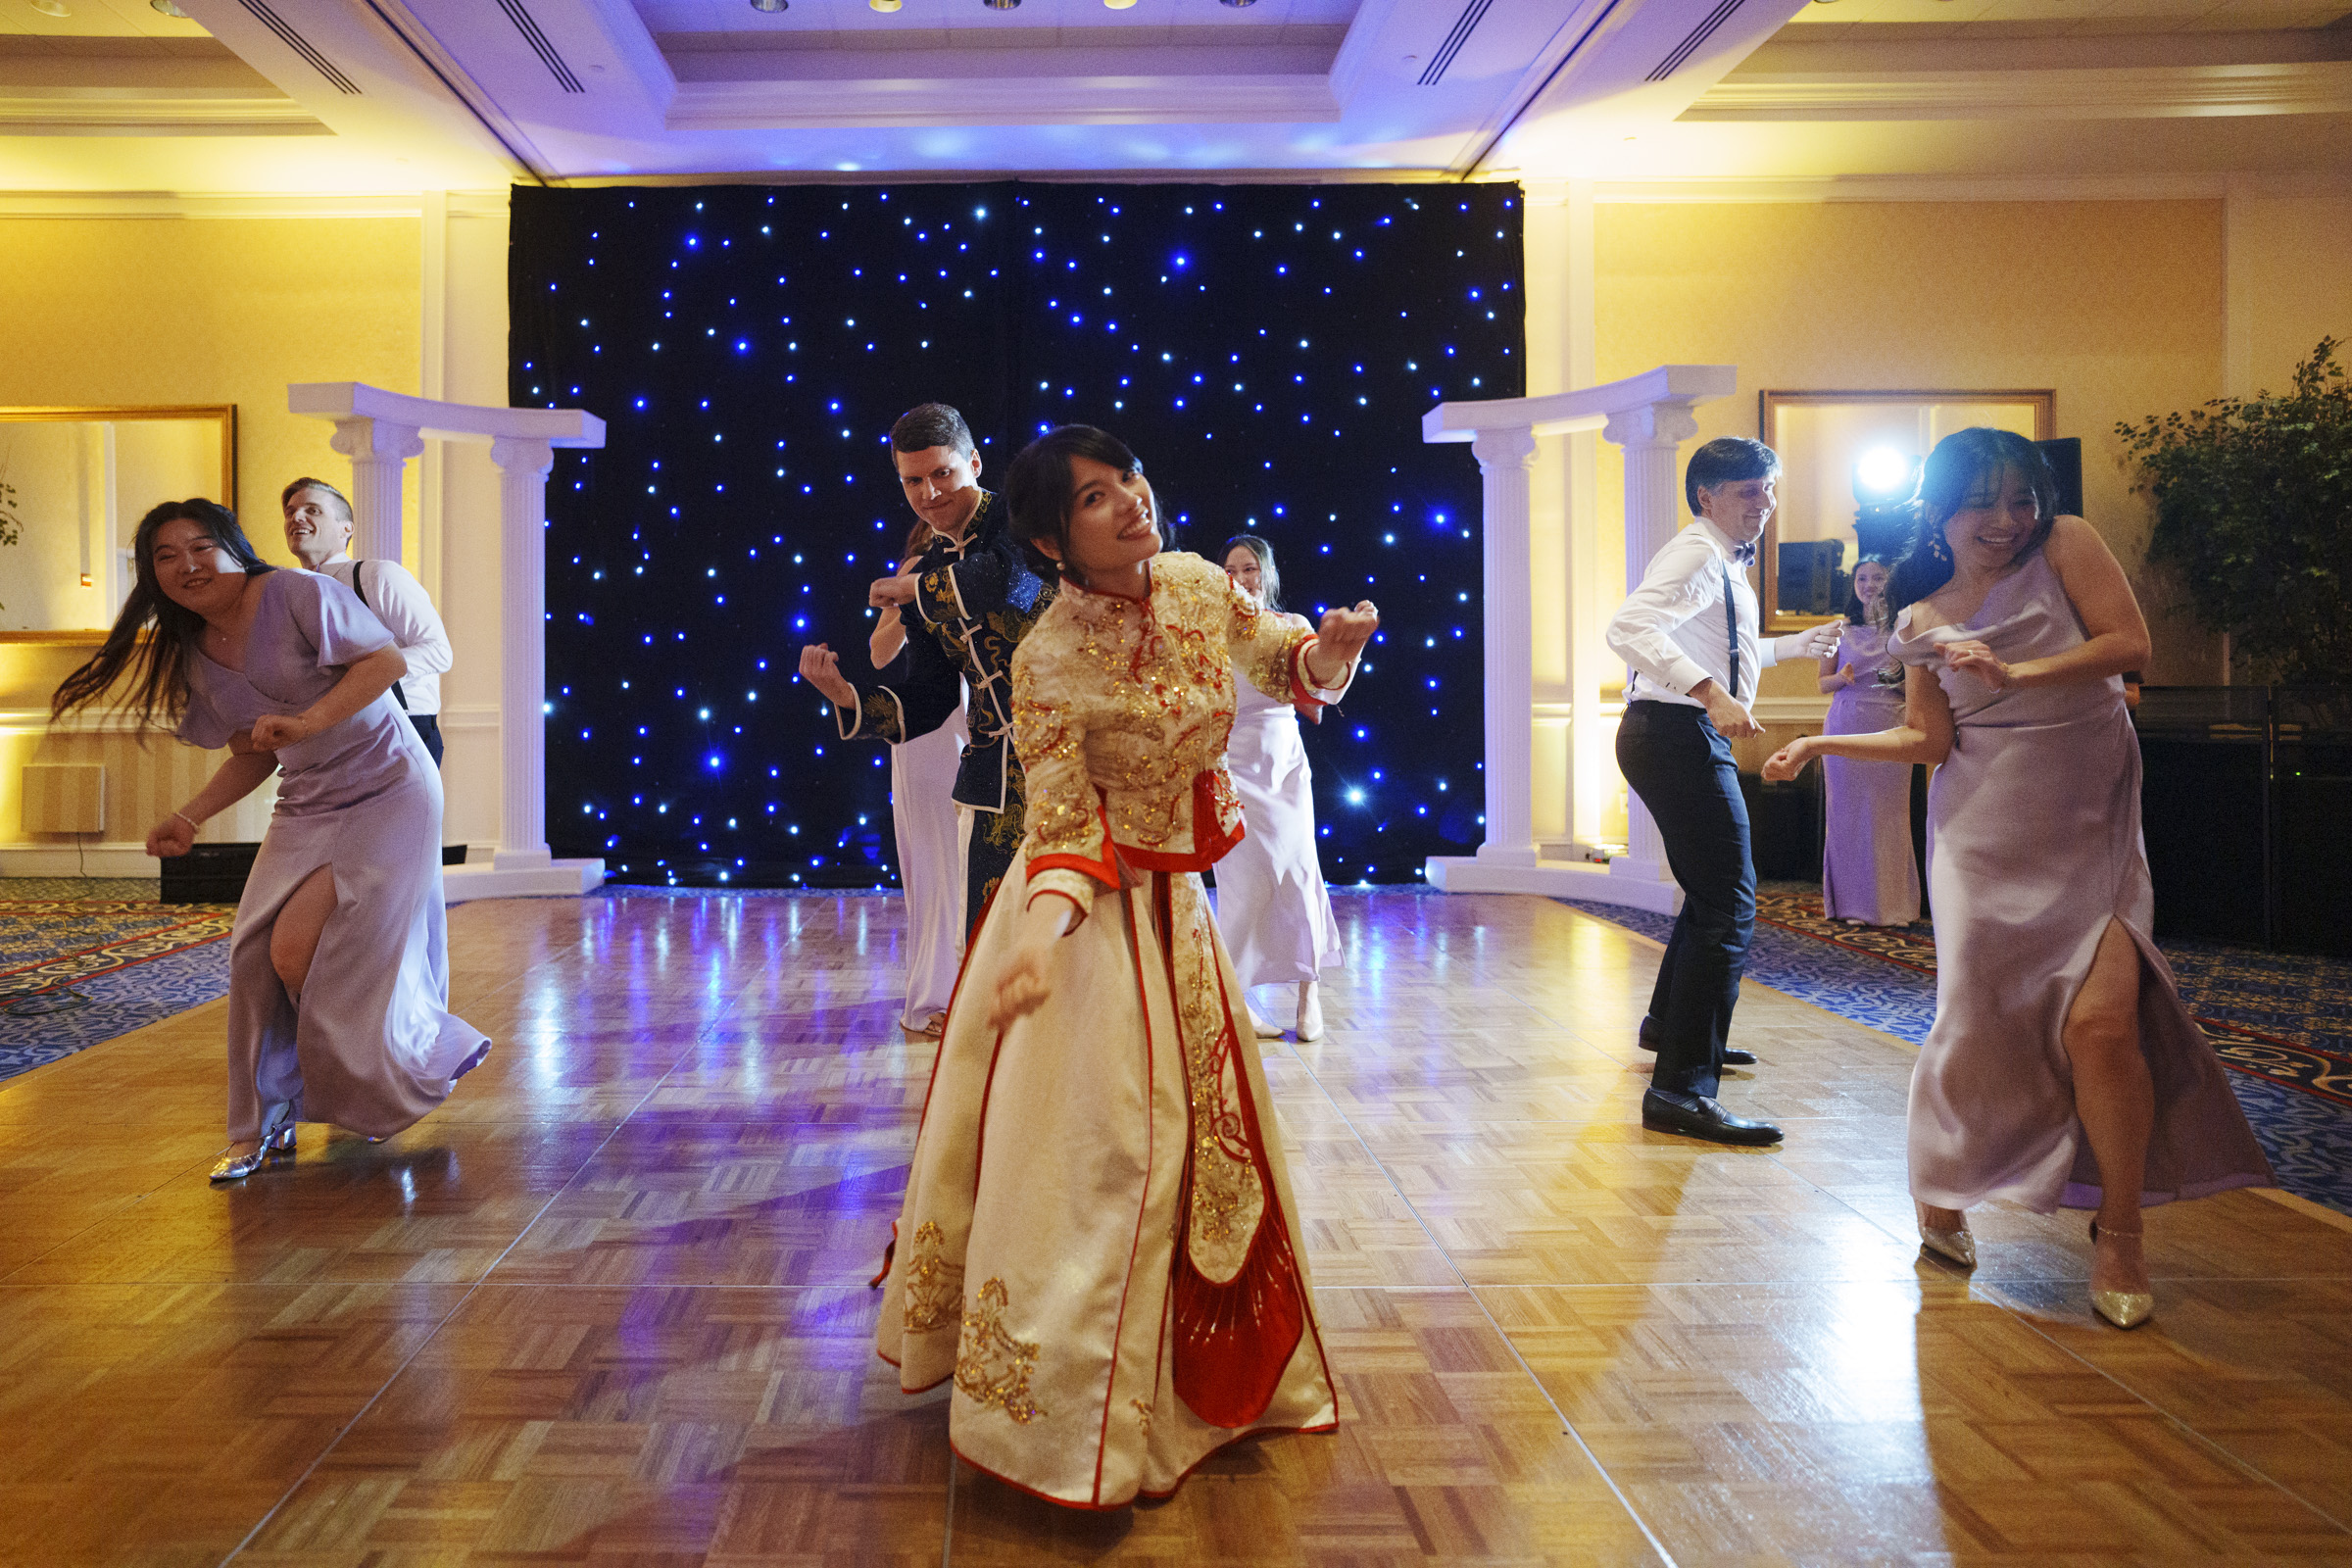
{"type": "Point", "coordinates": [1867, 870]}
{"type": "Point", "coordinates": [2038, 850]}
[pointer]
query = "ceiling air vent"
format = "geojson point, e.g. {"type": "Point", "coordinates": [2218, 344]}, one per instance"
{"type": "Point", "coordinates": [260, 11]}
{"type": "Point", "coordinates": [1692, 44]}
{"type": "Point", "coordinates": [1463, 26]}
{"type": "Point", "coordinates": [529, 26]}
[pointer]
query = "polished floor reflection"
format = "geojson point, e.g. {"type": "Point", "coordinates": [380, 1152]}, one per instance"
{"type": "Point", "coordinates": [606, 1306]}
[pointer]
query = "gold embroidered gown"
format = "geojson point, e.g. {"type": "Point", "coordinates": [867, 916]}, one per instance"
{"type": "Point", "coordinates": [1099, 1243]}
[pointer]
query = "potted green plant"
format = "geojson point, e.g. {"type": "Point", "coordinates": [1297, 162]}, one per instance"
{"type": "Point", "coordinates": [2254, 515]}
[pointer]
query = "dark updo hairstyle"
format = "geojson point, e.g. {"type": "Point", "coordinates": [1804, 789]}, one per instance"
{"type": "Point", "coordinates": [161, 659]}
{"type": "Point", "coordinates": [1856, 612]}
{"type": "Point", "coordinates": [1038, 486]}
{"type": "Point", "coordinates": [1728, 460]}
{"type": "Point", "coordinates": [1269, 576]}
{"type": "Point", "coordinates": [1967, 469]}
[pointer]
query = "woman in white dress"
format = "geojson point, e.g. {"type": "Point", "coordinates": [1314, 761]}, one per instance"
{"type": "Point", "coordinates": [1271, 902]}
{"type": "Point", "coordinates": [339, 964]}
{"type": "Point", "coordinates": [925, 816]}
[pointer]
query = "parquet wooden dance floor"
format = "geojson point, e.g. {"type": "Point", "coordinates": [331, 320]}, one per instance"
{"type": "Point", "coordinates": [607, 1307]}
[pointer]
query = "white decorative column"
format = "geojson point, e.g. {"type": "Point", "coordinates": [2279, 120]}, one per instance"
{"type": "Point", "coordinates": [1651, 436]}
{"type": "Point", "coordinates": [522, 467]}
{"type": "Point", "coordinates": [379, 451]}
{"type": "Point", "coordinates": [1650, 416]}
{"type": "Point", "coordinates": [379, 431]}
{"type": "Point", "coordinates": [1505, 456]}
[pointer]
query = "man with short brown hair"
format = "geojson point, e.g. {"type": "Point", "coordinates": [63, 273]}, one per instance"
{"type": "Point", "coordinates": [967, 602]}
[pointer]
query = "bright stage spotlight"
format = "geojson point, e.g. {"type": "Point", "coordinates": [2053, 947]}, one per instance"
{"type": "Point", "coordinates": [1884, 477]}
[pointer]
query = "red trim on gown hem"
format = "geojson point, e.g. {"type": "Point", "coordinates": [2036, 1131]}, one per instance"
{"type": "Point", "coordinates": [1233, 1339]}
{"type": "Point", "coordinates": [1140, 1491]}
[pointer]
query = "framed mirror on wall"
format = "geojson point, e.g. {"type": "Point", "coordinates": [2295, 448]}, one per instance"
{"type": "Point", "coordinates": [73, 484]}
{"type": "Point", "coordinates": [1849, 462]}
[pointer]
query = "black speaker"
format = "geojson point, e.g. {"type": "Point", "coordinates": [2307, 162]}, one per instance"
{"type": "Point", "coordinates": [209, 873]}
{"type": "Point", "coordinates": [2064, 457]}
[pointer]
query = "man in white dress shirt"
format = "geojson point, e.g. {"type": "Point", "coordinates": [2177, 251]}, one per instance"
{"type": "Point", "coordinates": [318, 530]}
{"type": "Point", "coordinates": [1690, 635]}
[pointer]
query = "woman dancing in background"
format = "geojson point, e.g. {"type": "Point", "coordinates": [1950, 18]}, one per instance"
{"type": "Point", "coordinates": [339, 964]}
{"type": "Point", "coordinates": [1272, 908]}
{"type": "Point", "coordinates": [2062, 1068]}
{"type": "Point", "coordinates": [1867, 870]}
{"type": "Point", "coordinates": [930, 833]}
{"type": "Point", "coordinates": [1099, 1243]}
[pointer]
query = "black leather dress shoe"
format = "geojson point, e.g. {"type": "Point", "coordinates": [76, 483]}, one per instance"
{"type": "Point", "coordinates": [1664, 1110]}
{"type": "Point", "coordinates": [1733, 1055]}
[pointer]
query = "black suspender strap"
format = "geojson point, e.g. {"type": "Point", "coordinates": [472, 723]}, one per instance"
{"type": "Point", "coordinates": [359, 585]}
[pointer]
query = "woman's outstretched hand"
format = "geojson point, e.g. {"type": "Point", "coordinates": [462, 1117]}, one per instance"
{"type": "Point", "coordinates": [821, 667]}
{"type": "Point", "coordinates": [1789, 761]}
{"type": "Point", "coordinates": [1026, 982]}
{"type": "Point", "coordinates": [1341, 638]}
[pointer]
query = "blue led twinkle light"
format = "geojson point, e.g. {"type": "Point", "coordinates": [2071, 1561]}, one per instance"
{"type": "Point", "coordinates": [1268, 352]}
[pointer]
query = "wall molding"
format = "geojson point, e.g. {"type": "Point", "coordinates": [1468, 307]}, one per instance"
{"type": "Point", "coordinates": [2285, 87]}
{"type": "Point", "coordinates": [245, 204]}
{"type": "Point", "coordinates": [1972, 188]}
{"type": "Point", "coordinates": [107, 858]}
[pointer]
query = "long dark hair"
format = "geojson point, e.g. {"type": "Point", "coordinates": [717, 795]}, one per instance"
{"type": "Point", "coordinates": [159, 659]}
{"type": "Point", "coordinates": [1269, 575]}
{"type": "Point", "coordinates": [1858, 613]}
{"type": "Point", "coordinates": [1966, 469]}
{"type": "Point", "coordinates": [1038, 485]}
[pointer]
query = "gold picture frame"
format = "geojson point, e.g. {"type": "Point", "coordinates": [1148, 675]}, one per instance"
{"type": "Point", "coordinates": [1820, 436]}
{"type": "Point", "coordinates": [75, 479]}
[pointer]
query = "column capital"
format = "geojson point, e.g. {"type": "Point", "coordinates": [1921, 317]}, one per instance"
{"type": "Point", "coordinates": [529, 454]}
{"type": "Point", "coordinates": [362, 437]}
{"type": "Point", "coordinates": [1504, 448]}
{"type": "Point", "coordinates": [1652, 424]}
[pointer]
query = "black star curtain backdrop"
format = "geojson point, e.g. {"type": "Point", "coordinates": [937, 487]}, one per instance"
{"type": "Point", "coordinates": [1268, 351]}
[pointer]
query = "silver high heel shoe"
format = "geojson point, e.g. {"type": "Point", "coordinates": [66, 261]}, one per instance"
{"type": "Point", "coordinates": [1956, 1246]}
{"type": "Point", "coordinates": [2126, 1309]}
{"type": "Point", "coordinates": [276, 1147]}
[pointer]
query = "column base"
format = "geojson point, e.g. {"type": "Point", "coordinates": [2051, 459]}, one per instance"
{"type": "Point", "coordinates": [1555, 879]}
{"type": "Point", "coordinates": [524, 874]}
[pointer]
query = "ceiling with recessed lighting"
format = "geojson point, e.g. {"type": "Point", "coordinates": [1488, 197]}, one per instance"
{"type": "Point", "coordinates": [408, 94]}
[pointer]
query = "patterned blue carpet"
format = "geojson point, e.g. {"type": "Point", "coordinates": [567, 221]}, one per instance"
{"type": "Point", "coordinates": [84, 960]}
{"type": "Point", "coordinates": [2283, 1023]}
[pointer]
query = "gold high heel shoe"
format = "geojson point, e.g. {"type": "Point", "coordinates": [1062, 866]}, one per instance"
{"type": "Point", "coordinates": [276, 1147]}
{"type": "Point", "coordinates": [1957, 1245]}
{"type": "Point", "coordinates": [2126, 1309]}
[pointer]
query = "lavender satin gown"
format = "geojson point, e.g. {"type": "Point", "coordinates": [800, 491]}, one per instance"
{"type": "Point", "coordinates": [371, 1046]}
{"type": "Point", "coordinates": [2035, 820]}
{"type": "Point", "coordinates": [1866, 872]}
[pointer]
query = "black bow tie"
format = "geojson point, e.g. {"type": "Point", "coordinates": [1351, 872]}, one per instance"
{"type": "Point", "coordinates": [1745, 554]}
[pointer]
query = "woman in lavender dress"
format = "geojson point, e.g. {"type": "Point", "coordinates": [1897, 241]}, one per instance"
{"type": "Point", "coordinates": [338, 965]}
{"type": "Point", "coordinates": [1867, 873]}
{"type": "Point", "coordinates": [2062, 1068]}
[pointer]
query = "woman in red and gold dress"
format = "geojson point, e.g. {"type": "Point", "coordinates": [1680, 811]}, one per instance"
{"type": "Point", "coordinates": [1099, 1243]}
